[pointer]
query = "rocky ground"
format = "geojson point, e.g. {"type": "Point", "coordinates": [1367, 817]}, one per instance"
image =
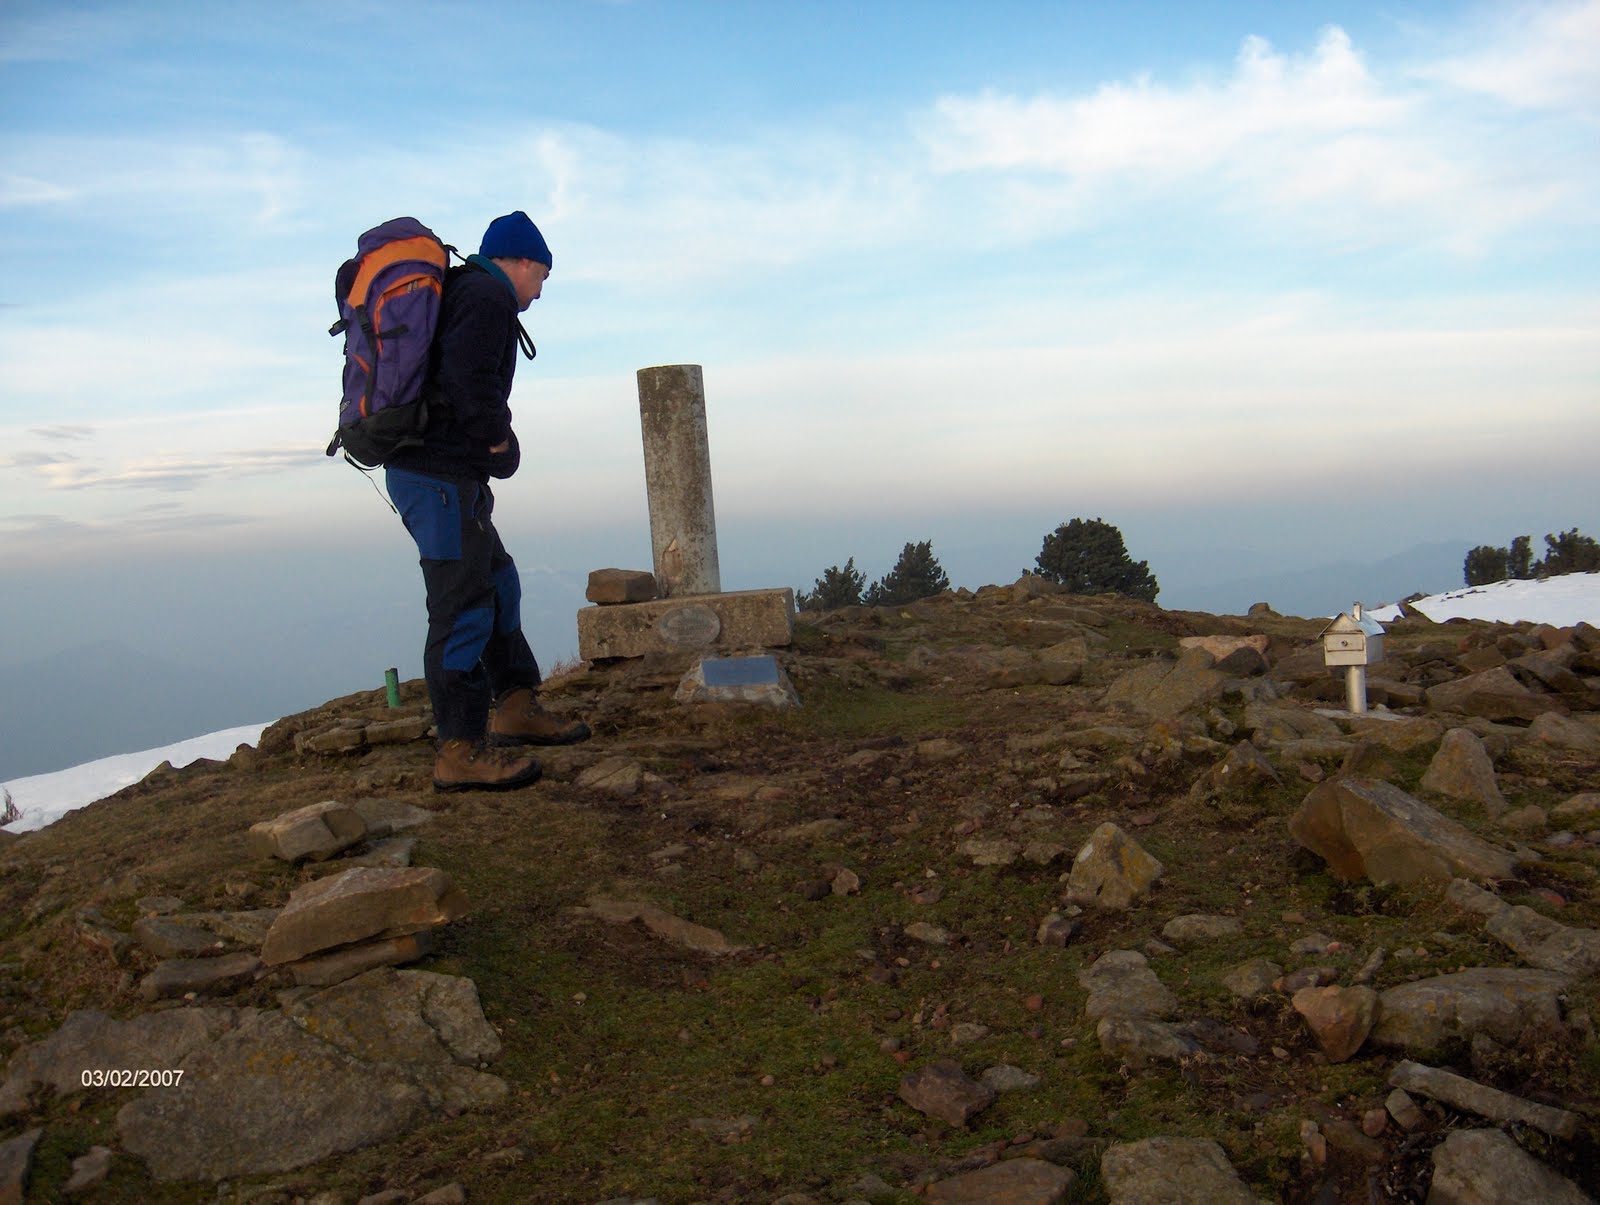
{"type": "Point", "coordinates": [1035, 898]}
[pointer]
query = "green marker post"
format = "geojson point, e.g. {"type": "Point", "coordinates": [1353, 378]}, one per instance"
{"type": "Point", "coordinates": [391, 682]}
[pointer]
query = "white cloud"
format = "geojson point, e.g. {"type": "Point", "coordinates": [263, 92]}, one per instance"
{"type": "Point", "coordinates": [16, 191]}
{"type": "Point", "coordinates": [1320, 144]}
{"type": "Point", "coordinates": [173, 471]}
{"type": "Point", "coordinates": [1151, 129]}
{"type": "Point", "coordinates": [247, 179]}
{"type": "Point", "coordinates": [1531, 55]}
{"type": "Point", "coordinates": [644, 213]}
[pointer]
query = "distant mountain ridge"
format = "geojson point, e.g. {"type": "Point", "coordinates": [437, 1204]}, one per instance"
{"type": "Point", "coordinates": [1329, 589]}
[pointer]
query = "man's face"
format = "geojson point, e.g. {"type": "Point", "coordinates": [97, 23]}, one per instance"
{"type": "Point", "coordinates": [527, 277]}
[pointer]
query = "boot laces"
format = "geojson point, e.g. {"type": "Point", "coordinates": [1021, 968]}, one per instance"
{"type": "Point", "coordinates": [491, 755]}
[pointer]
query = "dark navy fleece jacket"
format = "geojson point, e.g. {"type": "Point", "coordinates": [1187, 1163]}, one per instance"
{"type": "Point", "coordinates": [473, 362]}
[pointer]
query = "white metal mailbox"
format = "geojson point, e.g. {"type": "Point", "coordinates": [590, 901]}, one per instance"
{"type": "Point", "coordinates": [1352, 639]}
{"type": "Point", "coordinates": [1355, 642]}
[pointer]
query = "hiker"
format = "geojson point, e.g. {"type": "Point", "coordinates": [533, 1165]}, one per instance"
{"type": "Point", "coordinates": [482, 676]}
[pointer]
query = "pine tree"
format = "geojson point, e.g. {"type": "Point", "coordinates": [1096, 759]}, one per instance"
{"type": "Point", "coordinates": [1519, 563]}
{"type": "Point", "coordinates": [1088, 556]}
{"type": "Point", "coordinates": [917, 574]}
{"type": "Point", "coordinates": [835, 588]}
{"type": "Point", "coordinates": [1486, 564]}
{"type": "Point", "coordinates": [1569, 552]}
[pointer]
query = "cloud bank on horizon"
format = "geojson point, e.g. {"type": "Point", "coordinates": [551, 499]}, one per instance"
{"type": "Point", "coordinates": [1061, 259]}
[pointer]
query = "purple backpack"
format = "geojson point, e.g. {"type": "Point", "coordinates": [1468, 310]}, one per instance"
{"type": "Point", "coordinates": [388, 298]}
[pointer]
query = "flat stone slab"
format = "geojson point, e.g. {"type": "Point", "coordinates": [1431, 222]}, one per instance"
{"type": "Point", "coordinates": [316, 831]}
{"type": "Point", "coordinates": [385, 816]}
{"type": "Point", "coordinates": [1473, 1097]}
{"type": "Point", "coordinates": [1544, 943]}
{"type": "Point", "coordinates": [398, 732]}
{"type": "Point", "coordinates": [1014, 1182]}
{"type": "Point", "coordinates": [1488, 1166]}
{"type": "Point", "coordinates": [248, 928]}
{"type": "Point", "coordinates": [1507, 1004]}
{"type": "Point", "coordinates": [266, 1097]}
{"type": "Point", "coordinates": [359, 905]}
{"type": "Point", "coordinates": [426, 1026]}
{"type": "Point", "coordinates": [1140, 1041]}
{"type": "Point", "coordinates": [1120, 983]}
{"type": "Point", "coordinates": [1172, 1169]}
{"type": "Point", "coordinates": [754, 680]}
{"type": "Point", "coordinates": [334, 1071]}
{"type": "Point", "coordinates": [167, 938]}
{"type": "Point", "coordinates": [89, 1039]}
{"type": "Point", "coordinates": [663, 924]}
{"type": "Point", "coordinates": [696, 623]}
{"type": "Point", "coordinates": [350, 961]}
{"type": "Point", "coordinates": [180, 976]}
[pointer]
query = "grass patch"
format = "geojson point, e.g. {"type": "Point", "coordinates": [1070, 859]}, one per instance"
{"type": "Point", "coordinates": [873, 711]}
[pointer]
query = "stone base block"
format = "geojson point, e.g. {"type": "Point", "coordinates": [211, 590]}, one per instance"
{"type": "Point", "coordinates": [608, 587]}
{"type": "Point", "coordinates": [696, 623]}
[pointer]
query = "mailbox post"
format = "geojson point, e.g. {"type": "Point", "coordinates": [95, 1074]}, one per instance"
{"type": "Point", "coordinates": [1355, 642]}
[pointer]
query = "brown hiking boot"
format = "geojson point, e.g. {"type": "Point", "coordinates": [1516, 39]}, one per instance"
{"type": "Point", "coordinates": [517, 719]}
{"type": "Point", "coordinates": [464, 765]}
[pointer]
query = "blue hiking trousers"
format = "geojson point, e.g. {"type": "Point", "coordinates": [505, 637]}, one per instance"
{"type": "Point", "coordinates": [476, 650]}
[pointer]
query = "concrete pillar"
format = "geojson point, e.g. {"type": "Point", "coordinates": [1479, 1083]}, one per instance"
{"type": "Point", "coordinates": [677, 476]}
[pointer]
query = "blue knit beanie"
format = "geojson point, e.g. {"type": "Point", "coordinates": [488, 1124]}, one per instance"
{"type": "Point", "coordinates": [514, 236]}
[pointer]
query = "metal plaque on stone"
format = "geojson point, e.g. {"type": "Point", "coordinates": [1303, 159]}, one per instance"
{"type": "Point", "coordinates": [689, 627]}
{"type": "Point", "coordinates": [740, 671]}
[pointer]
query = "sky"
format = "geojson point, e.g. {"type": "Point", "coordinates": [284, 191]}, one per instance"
{"type": "Point", "coordinates": [41, 799]}
{"type": "Point", "coordinates": [1265, 285]}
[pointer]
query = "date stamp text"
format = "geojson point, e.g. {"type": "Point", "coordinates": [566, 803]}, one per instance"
{"type": "Point", "coordinates": [122, 1077]}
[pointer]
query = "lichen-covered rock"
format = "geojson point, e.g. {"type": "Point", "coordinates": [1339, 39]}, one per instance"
{"type": "Point", "coordinates": [1139, 1041]}
{"type": "Point", "coordinates": [1340, 1018]}
{"type": "Point", "coordinates": [1014, 1182]}
{"type": "Point", "coordinates": [266, 1097]}
{"type": "Point", "coordinates": [663, 924]}
{"type": "Point", "coordinates": [1166, 689]}
{"type": "Point", "coordinates": [1366, 828]}
{"type": "Point", "coordinates": [1494, 694]}
{"type": "Point", "coordinates": [1120, 983]}
{"type": "Point", "coordinates": [1461, 769]}
{"type": "Point", "coordinates": [180, 976]}
{"type": "Point", "coordinates": [1197, 929]}
{"type": "Point", "coordinates": [1111, 871]}
{"type": "Point", "coordinates": [1172, 1169]}
{"type": "Point", "coordinates": [1253, 978]}
{"type": "Point", "coordinates": [1576, 734]}
{"type": "Point", "coordinates": [358, 905]}
{"type": "Point", "coordinates": [1544, 943]}
{"type": "Point", "coordinates": [430, 1026]}
{"type": "Point", "coordinates": [89, 1039]}
{"type": "Point", "coordinates": [1472, 1097]}
{"type": "Point", "coordinates": [1506, 1003]}
{"type": "Point", "coordinates": [334, 1071]}
{"type": "Point", "coordinates": [943, 1090]}
{"type": "Point", "coordinates": [1487, 1167]}
{"type": "Point", "coordinates": [314, 832]}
